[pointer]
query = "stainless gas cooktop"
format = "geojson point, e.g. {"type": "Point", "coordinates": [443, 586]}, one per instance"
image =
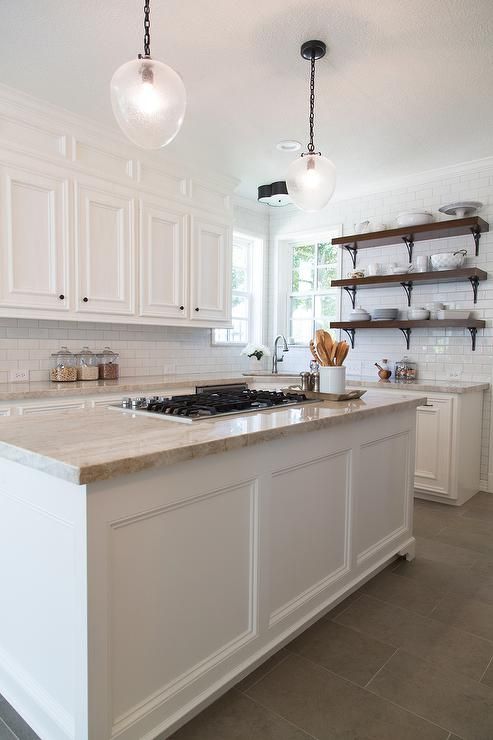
{"type": "Point", "coordinates": [210, 402]}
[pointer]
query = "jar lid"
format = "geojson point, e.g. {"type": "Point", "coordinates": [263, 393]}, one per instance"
{"type": "Point", "coordinates": [86, 351]}
{"type": "Point", "coordinates": [63, 352]}
{"type": "Point", "coordinates": [108, 353]}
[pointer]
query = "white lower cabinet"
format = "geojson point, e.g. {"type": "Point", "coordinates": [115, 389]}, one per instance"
{"type": "Point", "coordinates": [448, 447]}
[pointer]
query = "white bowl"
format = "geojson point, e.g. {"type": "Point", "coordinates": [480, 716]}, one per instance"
{"type": "Point", "coordinates": [414, 218]}
{"type": "Point", "coordinates": [418, 314]}
{"type": "Point", "coordinates": [359, 316]}
{"type": "Point", "coordinates": [453, 313]}
{"type": "Point", "coordinates": [448, 260]}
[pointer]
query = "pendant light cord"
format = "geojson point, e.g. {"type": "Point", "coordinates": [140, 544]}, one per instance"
{"type": "Point", "coordinates": [311, 146]}
{"type": "Point", "coordinates": [147, 30]}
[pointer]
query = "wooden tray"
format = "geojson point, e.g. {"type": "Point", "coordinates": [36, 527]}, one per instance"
{"type": "Point", "coordinates": [317, 395]}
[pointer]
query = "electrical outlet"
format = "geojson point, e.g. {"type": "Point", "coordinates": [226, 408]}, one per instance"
{"type": "Point", "coordinates": [19, 376]}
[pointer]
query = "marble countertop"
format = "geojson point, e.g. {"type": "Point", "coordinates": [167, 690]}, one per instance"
{"type": "Point", "coordinates": [87, 445]}
{"type": "Point", "coordinates": [425, 386]}
{"type": "Point", "coordinates": [47, 389]}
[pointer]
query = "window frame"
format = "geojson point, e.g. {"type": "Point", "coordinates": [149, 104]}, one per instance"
{"type": "Point", "coordinates": [283, 274]}
{"type": "Point", "coordinates": [255, 296]}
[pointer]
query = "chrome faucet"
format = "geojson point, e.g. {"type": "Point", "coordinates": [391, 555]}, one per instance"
{"type": "Point", "coordinates": [275, 357]}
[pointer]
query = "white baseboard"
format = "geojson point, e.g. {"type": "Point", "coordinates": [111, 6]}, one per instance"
{"type": "Point", "coordinates": [486, 485]}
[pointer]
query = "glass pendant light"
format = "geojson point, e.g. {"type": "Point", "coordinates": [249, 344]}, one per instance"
{"type": "Point", "coordinates": [311, 179]}
{"type": "Point", "coordinates": [148, 97]}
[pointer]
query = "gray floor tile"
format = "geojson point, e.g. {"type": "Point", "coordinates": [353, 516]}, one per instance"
{"type": "Point", "coordinates": [429, 522]}
{"type": "Point", "coordinates": [445, 553]}
{"type": "Point", "coordinates": [20, 728]}
{"type": "Point", "coordinates": [436, 575]}
{"type": "Point", "coordinates": [471, 534]}
{"type": "Point", "coordinates": [479, 513]}
{"type": "Point", "coordinates": [466, 614]}
{"type": "Point", "coordinates": [479, 500]}
{"type": "Point", "coordinates": [447, 698]}
{"type": "Point", "coordinates": [404, 592]}
{"type": "Point", "coordinates": [478, 585]}
{"type": "Point", "coordinates": [330, 708]}
{"type": "Point", "coordinates": [262, 670]}
{"type": "Point", "coordinates": [5, 733]}
{"type": "Point", "coordinates": [344, 651]}
{"type": "Point", "coordinates": [428, 638]}
{"type": "Point", "coordinates": [343, 605]}
{"type": "Point", "coordinates": [236, 717]}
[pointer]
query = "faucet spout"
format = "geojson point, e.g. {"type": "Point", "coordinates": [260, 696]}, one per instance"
{"type": "Point", "coordinates": [275, 356]}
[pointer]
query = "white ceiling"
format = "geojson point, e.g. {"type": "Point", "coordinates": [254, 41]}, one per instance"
{"type": "Point", "coordinates": [406, 86]}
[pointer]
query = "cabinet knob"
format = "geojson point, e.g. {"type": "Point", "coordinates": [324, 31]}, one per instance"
{"type": "Point", "coordinates": [85, 299]}
{"type": "Point", "coordinates": [61, 297]}
{"type": "Point", "coordinates": [182, 308]}
{"type": "Point", "coordinates": [197, 309]}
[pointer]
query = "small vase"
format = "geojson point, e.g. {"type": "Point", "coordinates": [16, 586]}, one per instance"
{"type": "Point", "coordinates": [333, 379]}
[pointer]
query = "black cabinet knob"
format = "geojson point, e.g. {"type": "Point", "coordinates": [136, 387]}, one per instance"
{"type": "Point", "coordinates": [182, 308]}
{"type": "Point", "coordinates": [197, 309]}
{"type": "Point", "coordinates": [61, 297]}
{"type": "Point", "coordinates": [85, 299]}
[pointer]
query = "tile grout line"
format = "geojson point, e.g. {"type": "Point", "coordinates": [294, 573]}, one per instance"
{"type": "Point", "coordinates": [14, 736]}
{"type": "Point", "coordinates": [331, 619]}
{"type": "Point", "coordinates": [381, 668]}
{"type": "Point", "coordinates": [284, 719]}
{"type": "Point", "coordinates": [486, 669]}
{"type": "Point", "coordinates": [243, 691]}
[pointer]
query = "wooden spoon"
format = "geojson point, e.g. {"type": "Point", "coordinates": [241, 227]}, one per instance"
{"type": "Point", "coordinates": [314, 352]}
{"type": "Point", "coordinates": [342, 352]}
{"type": "Point", "coordinates": [322, 353]}
{"type": "Point", "coordinates": [327, 340]}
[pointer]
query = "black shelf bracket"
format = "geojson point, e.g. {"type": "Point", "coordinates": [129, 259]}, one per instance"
{"type": "Point", "coordinates": [408, 287]}
{"type": "Point", "coordinates": [473, 332]}
{"type": "Point", "coordinates": [350, 333]}
{"type": "Point", "coordinates": [351, 291]}
{"type": "Point", "coordinates": [476, 235]}
{"type": "Point", "coordinates": [407, 334]}
{"type": "Point", "coordinates": [475, 283]}
{"type": "Point", "coordinates": [352, 253]}
{"type": "Point", "coordinates": [409, 242]}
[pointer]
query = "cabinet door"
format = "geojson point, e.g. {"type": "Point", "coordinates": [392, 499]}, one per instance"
{"type": "Point", "coordinates": [51, 407]}
{"type": "Point", "coordinates": [105, 250]}
{"type": "Point", "coordinates": [35, 240]}
{"type": "Point", "coordinates": [210, 257]}
{"type": "Point", "coordinates": [163, 262]}
{"type": "Point", "coordinates": [433, 446]}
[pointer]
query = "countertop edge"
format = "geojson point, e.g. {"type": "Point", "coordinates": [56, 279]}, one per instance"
{"type": "Point", "coordinates": [85, 475]}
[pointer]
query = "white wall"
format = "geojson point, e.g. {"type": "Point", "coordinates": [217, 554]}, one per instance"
{"type": "Point", "coordinates": [440, 354]}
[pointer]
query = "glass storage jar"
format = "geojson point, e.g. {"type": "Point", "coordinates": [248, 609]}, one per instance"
{"type": "Point", "coordinates": [87, 365]}
{"type": "Point", "coordinates": [63, 366]}
{"type": "Point", "coordinates": [405, 370]}
{"type": "Point", "coordinates": [109, 369]}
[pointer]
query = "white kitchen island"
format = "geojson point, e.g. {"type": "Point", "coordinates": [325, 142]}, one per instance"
{"type": "Point", "coordinates": [148, 565]}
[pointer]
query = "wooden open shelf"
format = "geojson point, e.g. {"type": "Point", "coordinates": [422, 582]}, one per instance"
{"type": "Point", "coordinates": [410, 234]}
{"type": "Point", "coordinates": [406, 326]}
{"type": "Point", "coordinates": [408, 279]}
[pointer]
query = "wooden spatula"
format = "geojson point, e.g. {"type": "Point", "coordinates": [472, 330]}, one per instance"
{"type": "Point", "coordinates": [314, 352]}
{"type": "Point", "coordinates": [333, 353]}
{"type": "Point", "coordinates": [341, 353]}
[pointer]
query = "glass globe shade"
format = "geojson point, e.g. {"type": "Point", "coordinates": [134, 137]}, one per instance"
{"type": "Point", "coordinates": [311, 180]}
{"type": "Point", "coordinates": [149, 101]}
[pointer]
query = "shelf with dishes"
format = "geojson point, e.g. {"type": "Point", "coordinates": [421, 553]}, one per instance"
{"type": "Point", "coordinates": [408, 235]}
{"type": "Point", "coordinates": [407, 325]}
{"type": "Point", "coordinates": [407, 280]}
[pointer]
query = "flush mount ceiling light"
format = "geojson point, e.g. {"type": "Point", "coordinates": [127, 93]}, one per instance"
{"type": "Point", "coordinates": [311, 178]}
{"type": "Point", "coordinates": [275, 194]}
{"type": "Point", "coordinates": [288, 145]}
{"type": "Point", "coordinates": [148, 97]}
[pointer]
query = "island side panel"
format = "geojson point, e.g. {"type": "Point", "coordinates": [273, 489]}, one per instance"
{"type": "Point", "coordinates": [198, 571]}
{"type": "Point", "coordinates": [43, 646]}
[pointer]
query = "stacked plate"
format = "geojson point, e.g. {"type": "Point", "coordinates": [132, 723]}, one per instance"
{"type": "Point", "coordinates": [384, 314]}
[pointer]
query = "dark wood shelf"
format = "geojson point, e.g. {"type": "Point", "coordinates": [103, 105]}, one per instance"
{"type": "Point", "coordinates": [410, 234]}
{"type": "Point", "coordinates": [408, 279]}
{"type": "Point", "coordinates": [406, 326]}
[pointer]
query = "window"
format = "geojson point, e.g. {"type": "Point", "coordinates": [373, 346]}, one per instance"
{"type": "Point", "coordinates": [307, 302]}
{"type": "Point", "coordinates": [247, 287]}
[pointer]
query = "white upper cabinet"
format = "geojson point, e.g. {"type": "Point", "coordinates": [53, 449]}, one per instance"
{"type": "Point", "coordinates": [210, 271]}
{"type": "Point", "coordinates": [164, 263]}
{"type": "Point", "coordinates": [105, 239]}
{"type": "Point", "coordinates": [34, 242]}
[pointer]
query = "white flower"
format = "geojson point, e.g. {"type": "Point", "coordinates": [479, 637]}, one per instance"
{"type": "Point", "coordinates": [256, 350]}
